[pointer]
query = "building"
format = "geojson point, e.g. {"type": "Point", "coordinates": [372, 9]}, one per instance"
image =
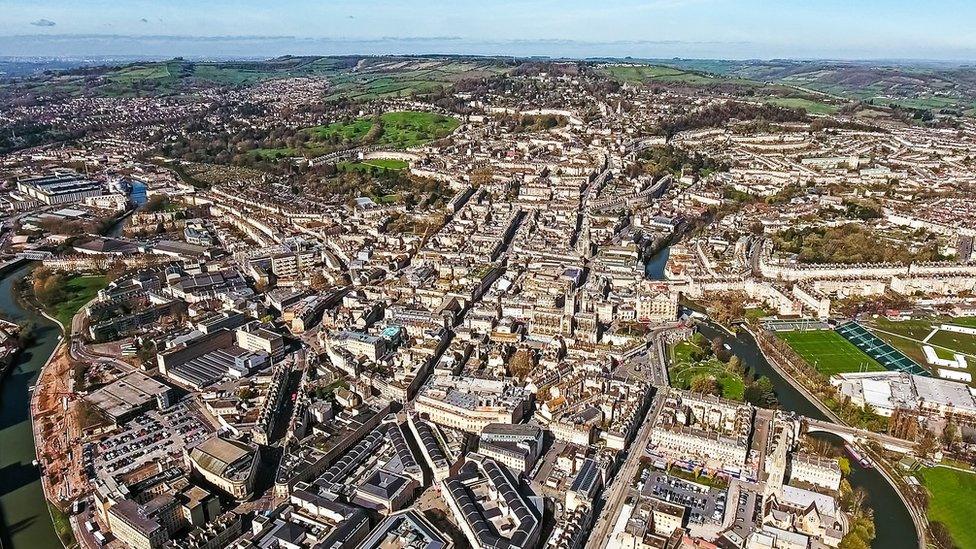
{"type": "Point", "coordinates": [470, 404]}
{"type": "Point", "coordinates": [588, 482]}
{"type": "Point", "coordinates": [386, 491]}
{"type": "Point", "coordinates": [209, 358]}
{"type": "Point", "coordinates": [490, 506]}
{"type": "Point", "coordinates": [253, 337]}
{"type": "Point", "coordinates": [229, 465]}
{"type": "Point", "coordinates": [361, 344]}
{"type": "Point", "coordinates": [293, 265]}
{"type": "Point", "coordinates": [703, 428]}
{"type": "Point", "coordinates": [886, 392]}
{"type": "Point", "coordinates": [59, 188]}
{"type": "Point", "coordinates": [516, 445]}
{"type": "Point", "coordinates": [308, 521]}
{"type": "Point", "coordinates": [814, 470]}
{"type": "Point", "coordinates": [656, 303]}
{"type": "Point", "coordinates": [433, 448]}
{"type": "Point", "coordinates": [131, 525]}
{"type": "Point", "coordinates": [406, 529]}
{"type": "Point", "coordinates": [131, 395]}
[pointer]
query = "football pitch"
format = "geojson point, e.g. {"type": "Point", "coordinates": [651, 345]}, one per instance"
{"type": "Point", "coordinates": [952, 501]}
{"type": "Point", "coordinates": [829, 352]}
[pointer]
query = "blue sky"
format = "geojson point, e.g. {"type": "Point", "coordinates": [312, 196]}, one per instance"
{"type": "Point", "coordinates": [941, 29]}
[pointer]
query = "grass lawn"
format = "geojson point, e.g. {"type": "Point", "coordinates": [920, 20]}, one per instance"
{"type": "Point", "coordinates": [914, 329]}
{"type": "Point", "coordinates": [907, 337]}
{"type": "Point", "coordinates": [78, 291]}
{"type": "Point", "coordinates": [811, 106]}
{"type": "Point", "coordinates": [274, 153]}
{"type": "Point", "coordinates": [682, 370]}
{"type": "Point", "coordinates": [400, 129]}
{"type": "Point", "coordinates": [829, 352]}
{"type": "Point", "coordinates": [386, 163]}
{"type": "Point", "coordinates": [62, 527]}
{"type": "Point", "coordinates": [376, 163]}
{"type": "Point", "coordinates": [952, 501]}
{"type": "Point", "coordinates": [757, 313]}
{"type": "Point", "coordinates": [961, 343]}
{"type": "Point", "coordinates": [969, 321]}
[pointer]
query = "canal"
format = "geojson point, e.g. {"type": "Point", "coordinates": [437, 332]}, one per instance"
{"type": "Point", "coordinates": [24, 519]}
{"type": "Point", "coordinates": [893, 523]}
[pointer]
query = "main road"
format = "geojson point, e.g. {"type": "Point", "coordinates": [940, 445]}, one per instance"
{"type": "Point", "coordinates": [618, 489]}
{"type": "Point", "coordinates": [616, 492]}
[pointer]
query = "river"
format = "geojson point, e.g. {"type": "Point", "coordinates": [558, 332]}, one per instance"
{"type": "Point", "coordinates": [893, 523]}
{"type": "Point", "coordinates": [24, 519]}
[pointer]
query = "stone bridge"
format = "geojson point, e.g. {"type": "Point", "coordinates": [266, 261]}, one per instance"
{"type": "Point", "coordinates": [852, 435]}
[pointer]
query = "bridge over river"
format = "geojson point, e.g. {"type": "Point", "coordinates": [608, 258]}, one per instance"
{"type": "Point", "coordinates": [859, 436]}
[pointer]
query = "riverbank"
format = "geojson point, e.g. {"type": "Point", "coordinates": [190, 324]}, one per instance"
{"type": "Point", "coordinates": [881, 463]}
{"type": "Point", "coordinates": [17, 338]}
{"type": "Point", "coordinates": [60, 520]}
{"type": "Point", "coordinates": [25, 520]}
{"type": "Point", "coordinates": [894, 523]}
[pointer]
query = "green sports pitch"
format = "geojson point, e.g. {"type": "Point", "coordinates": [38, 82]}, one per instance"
{"type": "Point", "coordinates": [952, 501]}
{"type": "Point", "coordinates": [829, 352]}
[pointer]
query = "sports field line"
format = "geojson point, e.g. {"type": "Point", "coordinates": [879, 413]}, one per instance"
{"type": "Point", "coordinates": [921, 342]}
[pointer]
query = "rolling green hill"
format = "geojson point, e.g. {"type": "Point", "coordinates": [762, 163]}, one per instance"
{"type": "Point", "coordinates": [352, 77]}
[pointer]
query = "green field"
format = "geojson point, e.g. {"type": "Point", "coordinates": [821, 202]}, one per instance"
{"type": "Point", "coordinates": [809, 105]}
{"type": "Point", "coordinates": [682, 369]}
{"type": "Point", "coordinates": [952, 501]}
{"type": "Point", "coordinates": [379, 78]}
{"type": "Point", "coordinates": [829, 352]}
{"type": "Point", "coordinates": [62, 526]}
{"type": "Point", "coordinates": [963, 321]}
{"type": "Point", "coordinates": [351, 77]}
{"type": "Point", "coordinates": [400, 129]}
{"type": "Point", "coordinates": [913, 329]}
{"type": "Point", "coordinates": [953, 341]}
{"type": "Point", "coordinates": [907, 337]}
{"type": "Point", "coordinates": [79, 290]}
{"type": "Point", "coordinates": [274, 153]}
{"type": "Point", "coordinates": [374, 164]}
{"type": "Point", "coordinates": [638, 74]}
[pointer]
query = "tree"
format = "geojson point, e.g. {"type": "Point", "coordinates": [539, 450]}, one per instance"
{"type": "Point", "coordinates": [115, 271]}
{"type": "Point", "coordinates": [319, 282]}
{"type": "Point", "coordinates": [481, 177]}
{"type": "Point", "coordinates": [521, 363]}
{"type": "Point", "coordinates": [736, 366]}
{"type": "Point", "coordinates": [760, 392]}
{"type": "Point", "coordinates": [927, 446]}
{"type": "Point", "coordinates": [705, 384]}
{"type": "Point", "coordinates": [147, 353]}
{"type": "Point", "coordinates": [728, 307]}
{"type": "Point", "coordinates": [858, 497]}
{"type": "Point", "coordinates": [48, 286]}
{"type": "Point", "coordinates": [845, 466]}
{"type": "Point", "coordinates": [941, 535]}
{"type": "Point", "coordinates": [717, 344]}
{"type": "Point", "coordinates": [950, 434]}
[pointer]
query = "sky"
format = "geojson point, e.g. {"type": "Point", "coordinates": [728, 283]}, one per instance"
{"type": "Point", "coordinates": [728, 29]}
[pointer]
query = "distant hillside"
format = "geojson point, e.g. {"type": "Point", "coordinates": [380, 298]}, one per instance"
{"type": "Point", "coordinates": [820, 87]}
{"type": "Point", "coordinates": [355, 77]}
{"type": "Point", "coordinates": [915, 85]}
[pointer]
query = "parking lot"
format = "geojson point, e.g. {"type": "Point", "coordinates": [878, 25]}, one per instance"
{"type": "Point", "coordinates": [705, 505]}
{"type": "Point", "coordinates": [150, 437]}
